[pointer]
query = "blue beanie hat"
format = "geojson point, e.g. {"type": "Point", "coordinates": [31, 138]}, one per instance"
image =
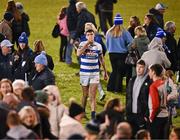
{"type": "Point", "coordinates": [118, 20]}
{"type": "Point", "coordinates": [160, 33]}
{"type": "Point", "coordinates": [41, 59]}
{"type": "Point", "coordinates": [8, 16]}
{"type": "Point", "coordinates": [23, 38]}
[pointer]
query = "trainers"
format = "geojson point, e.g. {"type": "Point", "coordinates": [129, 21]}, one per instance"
{"type": "Point", "coordinates": [93, 114]}
{"type": "Point", "coordinates": [102, 97]}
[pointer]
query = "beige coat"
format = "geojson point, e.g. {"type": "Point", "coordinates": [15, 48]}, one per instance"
{"type": "Point", "coordinates": [56, 113]}
{"type": "Point", "coordinates": [70, 126]}
{"type": "Point", "coordinates": [6, 30]}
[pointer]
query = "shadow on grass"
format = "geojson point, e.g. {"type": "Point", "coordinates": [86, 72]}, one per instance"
{"type": "Point", "coordinates": [100, 103]}
{"type": "Point", "coordinates": [74, 65]}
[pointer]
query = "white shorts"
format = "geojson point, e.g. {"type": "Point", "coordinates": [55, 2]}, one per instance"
{"type": "Point", "coordinates": [86, 80]}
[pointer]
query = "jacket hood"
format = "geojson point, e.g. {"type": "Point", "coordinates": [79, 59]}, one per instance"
{"type": "Point", "coordinates": [156, 43]}
{"type": "Point", "coordinates": [22, 132]}
{"type": "Point", "coordinates": [72, 1]}
{"type": "Point", "coordinates": [43, 110]}
{"type": "Point", "coordinates": [68, 121]}
{"type": "Point", "coordinates": [25, 16]}
{"type": "Point", "coordinates": [154, 11]}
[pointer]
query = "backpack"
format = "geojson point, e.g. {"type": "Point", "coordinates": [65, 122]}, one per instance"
{"type": "Point", "coordinates": [56, 31]}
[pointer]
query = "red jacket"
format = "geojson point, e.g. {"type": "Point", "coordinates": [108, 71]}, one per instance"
{"type": "Point", "coordinates": [154, 99]}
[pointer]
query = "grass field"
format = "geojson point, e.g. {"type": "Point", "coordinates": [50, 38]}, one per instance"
{"type": "Point", "coordinates": [43, 17]}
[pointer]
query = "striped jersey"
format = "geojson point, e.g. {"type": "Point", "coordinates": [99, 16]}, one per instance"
{"type": "Point", "coordinates": [89, 64]}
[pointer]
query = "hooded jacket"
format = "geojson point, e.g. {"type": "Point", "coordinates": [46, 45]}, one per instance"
{"type": "Point", "coordinates": [72, 15]}
{"type": "Point", "coordinates": [20, 132]}
{"type": "Point", "coordinates": [156, 54]}
{"type": "Point", "coordinates": [142, 100]}
{"type": "Point", "coordinates": [158, 17]}
{"type": "Point", "coordinates": [70, 126]}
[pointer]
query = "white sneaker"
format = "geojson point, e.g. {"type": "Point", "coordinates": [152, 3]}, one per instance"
{"type": "Point", "coordinates": [102, 97]}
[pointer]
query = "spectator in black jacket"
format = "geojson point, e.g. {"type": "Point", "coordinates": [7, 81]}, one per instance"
{"type": "Point", "coordinates": [104, 8]}
{"type": "Point", "coordinates": [25, 18]}
{"type": "Point", "coordinates": [6, 70]}
{"type": "Point", "coordinates": [150, 26]}
{"type": "Point", "coordinates": [71, 23]}
{"type": "Point", "coordinates": [171, 44]}
{"type": "Point", "coordinates": [43, 75]}
{"type": "Point", "coordinates": [137, 97]}
{"type": "Point", "coordinates": [3, 126]}
{"type": "Point", "coordinates": [83, 17]}
{"type": "Point", "coordinates": [21, 58]}
{"type": "Point", "coordinates": [158, 13]}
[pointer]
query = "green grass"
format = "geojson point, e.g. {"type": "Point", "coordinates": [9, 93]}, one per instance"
{"type": "Point", "coordinates": [43, 17]}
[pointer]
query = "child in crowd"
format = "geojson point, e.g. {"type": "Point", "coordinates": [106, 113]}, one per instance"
{"type": "Point", "coordinates": [171, 88]}
{"type": "Point", "coordinates": [141, 40]}
{"type": "Point", "coordinates": [140, 43]}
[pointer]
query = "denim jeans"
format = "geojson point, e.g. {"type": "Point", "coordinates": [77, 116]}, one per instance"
{"type": "Point", "coordinates": [69, 48]}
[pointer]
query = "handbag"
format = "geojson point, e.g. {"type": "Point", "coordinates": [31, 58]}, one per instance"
{"type": "Point", "coordinates": [55, 31]}
{"type": "Point", "coordinates": [132, 57]}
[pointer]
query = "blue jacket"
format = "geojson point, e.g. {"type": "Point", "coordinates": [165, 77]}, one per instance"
{"type": "Point", "coordinates": [119, 44]}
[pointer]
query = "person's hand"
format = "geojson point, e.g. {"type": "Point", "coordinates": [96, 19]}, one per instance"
{"type": "Point", "coordinates": [76, 44]}
{"type": "Point", "coordinates": [150, 120]}
{"type": "Point", "coordinates": [90, 41]}
{"type": "Point", "coordinates": [106, 77]}
{"type": "Point", "coordinates": [71, 41]}
{"type": "Point", "coordinates": [107, 121]}
{"type": "Point", "coordinates": [146, 119]}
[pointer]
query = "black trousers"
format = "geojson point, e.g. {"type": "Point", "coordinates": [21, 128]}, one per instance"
{"type": "Point", "coordinates": [159, 128]}
{"type": "Point", "coordinates": [63, 46]}
{"type": "Point", "coordinates": [118, 71]}
{"type": "Point", "coordinates": [137, 122]}
{"type": "Point", "coordinates": [105, 17]}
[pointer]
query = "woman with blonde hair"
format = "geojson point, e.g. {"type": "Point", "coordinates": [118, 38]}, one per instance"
{"type": "Point", "coordinates": [38, 48]}
{"type": "Point", "coordinates": [29, 119]}
{"type": "Point", "coordinates": [141, 40]}
{"type": "Point", "coordinates": [118, 41]}
{"type": "Point", "coordinates": [140, 43]}
{"type": "Point", "coordinates": [133, 23]}
{"type": "Point", "coordinates": [57, 109]}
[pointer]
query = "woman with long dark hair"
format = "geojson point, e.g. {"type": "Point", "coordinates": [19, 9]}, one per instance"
{"type": "Point", "coordinates": [64, 33]}
{"type": "Point", "coordinates": [21, 58]}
